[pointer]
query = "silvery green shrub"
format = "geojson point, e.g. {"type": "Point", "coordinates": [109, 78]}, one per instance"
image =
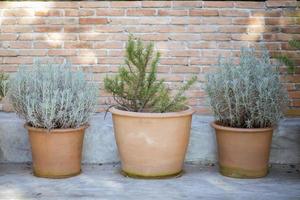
{"type": "Point", "coordinates": [3, 85]}
{"type": "Point", "coordinates": [52, 96]}
{"type": "Point", "coordinates": [248, 94]}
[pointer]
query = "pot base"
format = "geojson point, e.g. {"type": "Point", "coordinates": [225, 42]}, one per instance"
{"type": "Point", "coordinates": [41, 175]}
{"type": "Point", "coordinates": [242, 173]}
{"type": "Point", "coordinates": [165, 176]}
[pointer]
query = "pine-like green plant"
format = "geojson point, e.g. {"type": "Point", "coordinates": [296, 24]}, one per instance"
{"type": "Point", "coordinates": [136, 88]}
{"type": "Point", "coordinates": [52, 96]}
{"type": "Point", "coordinates": [284, 59]}
{"type": "Point", "coordinates": [247, 95]}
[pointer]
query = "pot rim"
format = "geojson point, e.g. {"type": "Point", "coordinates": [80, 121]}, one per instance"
{"type": "Point", "coordinates": [57, 130]}
{"type": "Point", "coordinates": [215, 125]}
{"type": "Point", "coordinates": [188, 111]}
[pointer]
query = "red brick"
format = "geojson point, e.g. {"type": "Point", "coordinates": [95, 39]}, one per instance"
{"type": "Point", "coordinates": [32, 52]}
{"type": "Point", "coordinates": [201, 29]}
{"type": "Point", "coordinates": [185, 37]}
{"type": "Point", "coordinates": [232, 29]}
{"type": "Point", "coordinates": [184, 53]}
{"type": "Point", "coordinates": [93, 21]}
{"type": "Point", "coordinates": [62, 36]}
{"type": "Point", "coordinates": [280, 21]}
{"type": "Point", "coordinates": [48, 45]}
{"type": "Point", "coordinates": [125, 4]}
{"type": "Point", "coordinates": [246, 37]}
{"type": "Point", "coordinates": [110, 12]}
{"type": "Point", "coordinates": [171, 28]}
{"type": "Point", "coordinates": [154, 4]}
{"type": "Point", "coordinates": [116, 53]}
{"type": "Point", "coordinates": [15, 29]}
{"type": "Point", "coordinates": [172, 12]}
{"type": "Point", "coordinates": [83, 60]}
{"type": "Point", "coordinates": [215, 36]}
{"type": "Point", "coordinates": [271, 13]}
{"type": "Point", "coordinates": [248, 21]}
{"type": "Point", "coordinates": [154, 37]}
{"type": "Point", "coordinates": [296, 103]}
{"type": "Point", "coordinates": [8, 21]}
{"type": "Point", "coordinates": [78, 45]}
{"type": "Point", "coordinates": [18, 12]}
{"type": "Point", "coordinates": [110, 60]}
{"type": "Point", "coordinates": [7, 53]}
{"type": "Point", "coordinates": [141, 12]}
{"type": "Point", "coordinates": [92, 52]}
{"type": "Point", "coordinates": [202, 12]}
{"type": "Point", "coordinates": [234, 13]}
{"type": "Point", "coordinates": [109, 45]}
{"type": "Point", "coordinates": [203, 45]}
{"type": "Point", "coordinates": [46, 13]}
{"type": "Point", "coordinates": [185, 69]}
{"type": "Point", "coordinates": [86, 12]}
{"type": "Point", "coordinates": [192, 4]}
{"type": "Point", "coordinates": [61, 52]}
{"type": "Point", "coordinates": [94, 4]}
{"type": "Point", "coordinates": [78, 29]}
{"type": "Point", "coordinates": [277, 4]}
{"type": "Point", "coordinates": [154, 20]}
{"type": "Point", "coordinates": [288, 13]}
{"type": "Point", "coordinates": [20, 45]}
{"type": "Point", "coordinates": [31, 21]}
{"type": "Point", "coordinates": [216, 20]}
{"type": "Point", "coordinates": [293, 29]}
{"type": "Point", "coordinates": [92, 36]}
{"type": "Point", "coordinates": [18, 60]}
{"type": "Point", "coordinates": [48, 29]}
{"type": "Point", "coordinates": [110, 29]}
{"type": "Point", "coordinates": [217, 4]}
{"type": "Point", "coordinates": [240, 4]}
{"type": "Point", "coordinates": [71, 13]}
{"type": "Point", "coordinates": [294, 94]}
{"type": "Point", "coordinates": [8, 37]}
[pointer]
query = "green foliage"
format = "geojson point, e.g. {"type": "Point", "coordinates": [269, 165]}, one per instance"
{"type": "Point", "coordinates": [136, 88]}
{"type": "Point", "coordinates": [3, 85]}
{"type": "Point", "coordinates": [284, 59]}
{"type": "Point", "coordinates": [52, 96]}
{"type": "Point", "coordinates": [247, 95]}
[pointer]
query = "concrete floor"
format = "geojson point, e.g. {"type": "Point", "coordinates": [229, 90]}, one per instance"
{"type": "Point", "coordinates": [105, 182]}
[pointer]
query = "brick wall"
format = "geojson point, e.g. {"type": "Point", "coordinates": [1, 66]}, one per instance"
{"type": "Point", "coordinates": [189, 34]}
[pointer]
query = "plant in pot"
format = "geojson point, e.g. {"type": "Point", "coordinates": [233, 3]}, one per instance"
{"type": "Point", "coordinates": [151, 126]}
{"type": "Point", "coordinates": [247, 100]}
{"type": "Point", "coordinates": [56, 102]}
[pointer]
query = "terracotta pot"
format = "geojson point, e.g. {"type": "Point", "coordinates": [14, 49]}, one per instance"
{"type": "Point", "coordinates": [56, 154]}
{"type": "Point", "coordinates": [243, 153]}
{"type": "Point", "coordinates": [152, 145]}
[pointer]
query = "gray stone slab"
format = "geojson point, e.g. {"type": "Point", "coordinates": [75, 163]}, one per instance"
{"type": "Point", "coordinates": [105, 182]}
{"type": "Point", "coordinates": [100, 147]}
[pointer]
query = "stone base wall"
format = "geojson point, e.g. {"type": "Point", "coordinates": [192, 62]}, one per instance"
{"type": "Point", "coordinates": [100, 147]}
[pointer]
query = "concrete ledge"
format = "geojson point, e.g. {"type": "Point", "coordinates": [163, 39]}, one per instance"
{"type": "Point", "coordinates": [100, 147]}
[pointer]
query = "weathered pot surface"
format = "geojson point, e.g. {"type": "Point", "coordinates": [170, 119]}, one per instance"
{"type": "Point", "coordinates": [152, 145]}
{"type": "Point", "coordinates": [56, 153]}
{"type": "Point", "coordinates": [243, 152]}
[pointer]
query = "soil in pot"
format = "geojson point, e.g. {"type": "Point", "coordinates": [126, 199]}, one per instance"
{"type": "Point", "coordinates": [243, 153]}
{"type": "Point", "coordinates": [152, 145]}
{"type": "Point", "coordinates": [56, 154]}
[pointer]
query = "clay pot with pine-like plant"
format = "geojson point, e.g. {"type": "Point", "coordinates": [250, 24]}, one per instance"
{"type": "Point", "coordinates": [247, 100]}
{"type": "Point", "coordinates": [56, 102]}
{"type": "Point", "coordinates": [151, 126]}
